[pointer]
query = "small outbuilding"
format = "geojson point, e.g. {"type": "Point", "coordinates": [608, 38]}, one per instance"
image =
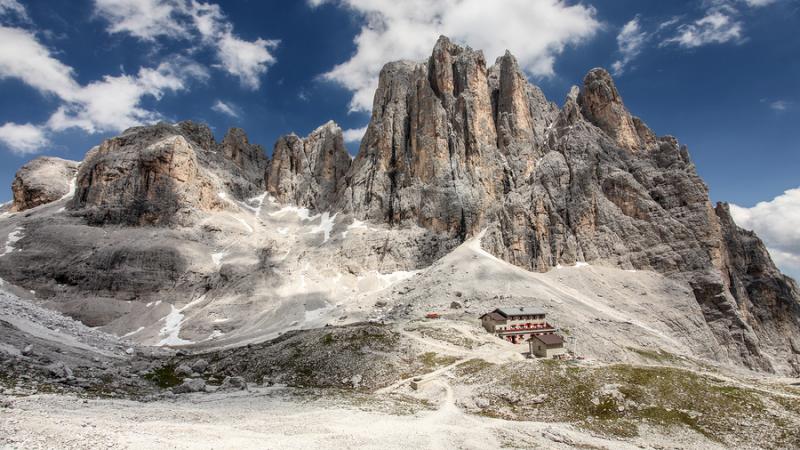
{"type": "Point", "coordinates": [548, 345]}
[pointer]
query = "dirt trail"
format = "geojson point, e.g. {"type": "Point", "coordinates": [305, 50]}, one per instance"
{"type": "Point", "coordinates": [267, 419]}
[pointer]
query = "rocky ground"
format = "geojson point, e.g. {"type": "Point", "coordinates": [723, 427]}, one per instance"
{"type": "Point", "coordinates": [340, 343]}
{"type": "Point", "coordinates": [73, 387]}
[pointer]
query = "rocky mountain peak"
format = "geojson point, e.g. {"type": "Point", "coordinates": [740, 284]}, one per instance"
{"type": "Point", "coordinates": [454, 149]}
{"type": "Point", "coordinates": [41, 181]}
{"type": "Point", "coordinates": [197, 132]}
{"type": "Point", "coordinates": [602, 105]}
{"type": "Point", "coordinates": [148, 175]}
{"type": "Point", "coordinates": [250, 163]}
{"type": "Point", "coordinates": [309, 172]}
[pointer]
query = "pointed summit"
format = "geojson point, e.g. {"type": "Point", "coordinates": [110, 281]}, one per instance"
{"type": "Point", "coordinates": [309, 172]}
{"type": "Point", "coordinates": [602, 105]}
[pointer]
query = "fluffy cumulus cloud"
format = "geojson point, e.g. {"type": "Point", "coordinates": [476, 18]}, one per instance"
{"type": "Point", "coordinates": [630, 41]}
{"type": "Point", "coordinates": [777, 222]}
{"type": "Point", "coordinates": [23, 139]}
{"type": "Point", "coordinates": [24, 58]}
{"type": "Point", "coordinates": [536, 32]}
{"type": "Point", "coordinates": [112, 103]}
{"type": "Point", "coordinates": [195, 21]}
{"type": "Point", "coordinates": [115, 102]}
{"type": "Point", "coordinates": [354, 135]}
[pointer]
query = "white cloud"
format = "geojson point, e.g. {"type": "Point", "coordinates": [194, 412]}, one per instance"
{"type": "Point", "coordinates": [777, 222]}
{"type": "Point", "coordinates": [758, 3]}
{"type": "Point", "coordinates": [112, 103]}
{"type": "Point", "coordinates": [354, 135]}
{"type": "Point", "coordinates": [779, 105]}
{"type": "Point", "coordinates": [718, 26]}
{"type": "Point", "coordinates": [535, 31]}
{"type": "Point", "coordinates": [13, 8]}
{"type": "Point", "coordinates": [144, 19]}
{"type": "Point", "coordinates": [193, 20]}
{"type": "Point", "coordinates": [630, 41]}
{"type": "Point", "coordinates": [24, 58]}
{"type": "Point", "coordinates": [23, 139]}
{"type": "Point", "coordinates": [244, 59]}
{"type": "Point", "coordinates": [226, 108]}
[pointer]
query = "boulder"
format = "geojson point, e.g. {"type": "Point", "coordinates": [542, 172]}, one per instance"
{"type": "Point", "coordinates": [190, 385]}
{"type": "Point", "coordinates": [41, 181]}
{"type": "Point", "coordinates": [200, 366]}
{"type": "Point", "coordinates": [233, 384]}
{"type": "Point", "coordinates": [183, 370]}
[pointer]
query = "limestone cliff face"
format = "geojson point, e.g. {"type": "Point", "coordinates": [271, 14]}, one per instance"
{"type": "Point", "coordinates": [249, 164]}
{"type": "Point", "coordinates": [148, 175]}
{"type": "Point", "coordinates": [433, 154]}
{"type": "Point", "coordinates": [766, 299]}
{"type": "Point", "coordinates": [309, 172]}
{"type": "Point", "coordinates": [166, 174]}
{"type": "Point", "coordinates": [41, 181]}
{"type": "Point", "coordinates": [455, 147]}
{"type": "Point", "coordinates": [602, 105]}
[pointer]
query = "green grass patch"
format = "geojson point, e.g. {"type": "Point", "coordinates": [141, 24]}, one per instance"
{"type": "Point", "coordinates": [164, 377]}
{"type": "Point", "coordinates": [614, 400]}
{"type": "Point", "coordinates": [431, 360]}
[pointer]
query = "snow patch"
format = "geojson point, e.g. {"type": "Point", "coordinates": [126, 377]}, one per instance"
{"type": "Point", "coordinates": [172, 324]}
{"type": "Point", "coordinates": [132, 333]}
{"type": "Point", "coordinates": [356, 225]}
{"type": "Point", "coordinates": [303, 214]}
{"type": "Point", "coordinates": [283, 231]}
{"type": "Point", "coordinates": [384, 280]}
{"type": "Point", "coordinates": [12, 239]}
{"type": "Point", "coordinates": [259, 200]}
{"type": "Point", "coordinates": [578, 265]}
{"type": "Point", "coordinates": [325, 225]}
{"type": "Point", "coordinates": [396, 277]}
{"type": "Point", "coordinates": [172, 329]}
{"type": "Point", "coordinates": [218, 257]}
{"type": "Point", "coordinates": [71, 192]}
{"type": "Point", "coordinates": [246, 225]}
{"type": "Point", "coordinates": [215, 335]}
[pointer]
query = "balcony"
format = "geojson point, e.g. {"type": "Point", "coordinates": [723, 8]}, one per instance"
{"type": "Point", "coordinates": [540, 327]}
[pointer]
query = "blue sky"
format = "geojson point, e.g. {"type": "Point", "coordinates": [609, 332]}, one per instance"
{"type": "Point", "coordinates": [721, 75]}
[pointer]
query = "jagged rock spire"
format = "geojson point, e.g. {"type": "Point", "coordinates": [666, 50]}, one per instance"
{"type": "Point", "coordinates": [309, 172]}
{"type": "Point", "coordinates": [602, 105]}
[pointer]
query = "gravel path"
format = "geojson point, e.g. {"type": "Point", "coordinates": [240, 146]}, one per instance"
{"type": "Point", "coordinates": [266, 418]}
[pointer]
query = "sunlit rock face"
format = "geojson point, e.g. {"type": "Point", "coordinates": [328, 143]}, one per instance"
{"type": "Point", "coordinates": [309, 172]}
{"type": "Point", "coordinates": [41, 181]}
{"type": "Point", "coordinates": [456, 147]}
